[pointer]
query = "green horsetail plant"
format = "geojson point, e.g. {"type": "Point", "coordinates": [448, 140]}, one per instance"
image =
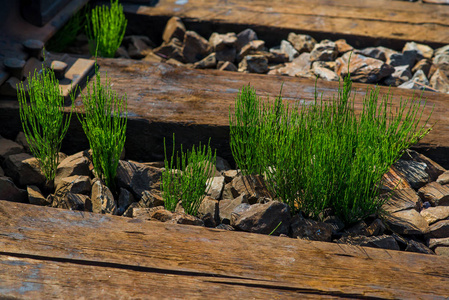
{"type": "Point", "coordinates": [322, 155]}
{"type": "Point", "coordinates": [185, 177]}
{"type": "Point", "coordinates": [106, 29]}
{"type": "Point", "coordinates": [104, 123]}
{"type": "Point", "coordinates": [43, 121]}
{"type": "Point", "coordinates": [245, 131]}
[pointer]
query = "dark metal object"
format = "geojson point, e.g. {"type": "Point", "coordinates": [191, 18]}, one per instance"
{"type": "Point", "coordinates": [39, 12]}
{"type": "Point", "coordinates": [33, 47]}
{"type": "Point", "coordinates": [15, 67]}
{"type": "Point", "coordinates": [59, 67]}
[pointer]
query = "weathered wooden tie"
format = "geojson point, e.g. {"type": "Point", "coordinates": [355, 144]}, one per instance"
{"type": "Point", "coordinates": [386, 22]}
{"type": "Point", "coordinates": [52, 253]}
{"type": "Point", "coordinates": [200, 100]}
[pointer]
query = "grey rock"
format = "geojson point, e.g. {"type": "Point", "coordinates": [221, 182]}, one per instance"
{"type": "Point", "coordinates": [432, 168]}
{"type": "Point", "coordinates": [24, 169]}
{"type": "Point", "coordinates": [435, 193]}
{"type": "Point", "coordinates": [420, 78]}
{"type": "Point", "coordinates": [439, 229]}
{"type": "Point", "coordinates": [253, 186]}
{"type": "Point", "coordinates": [423, 65]}
{"type": "Point", "coordinates": [225, 227]}
{"type": "Point", "coordinates": [182, 218]}
{"type": "Point", "coordinates": [238, 211]}
{"type": "Point", "coordinates": [439, 242]}
{"type": "Point", "coordinates": [377, 227]}
{"type": "Point", "coordinates": [35, 196]}
{"type": "Point", "coordinates": [137, 178]}
{"type": "Point", "coordinates": [71, 201]}
{"type": "Point", "coordinates": [209, 62]}
{"type": "Point", "coordinates": [275, 56]}
{"type": "Point", "coordinates": [441, 59]}
{"type": "Point", "coordinates": [245, 37]}
{"type": "Point", "coordinates": [423, 51]}
{"type": "Point", "coordinates": [335, 222]}
{"type": "Point", "coordinates": [208, 212]}
{"type": "Point", "coordinates": [373, 52]}
{"type": "Point", "coordinates": [330, 65]}
{"type": "Point", "coordinates": [300, 66]}
{"type": "Point", "coordinates": [343, 46]}
{"type": "Point", "coordinates": [434, 214]}
{"type": "Point", "coordinates": [440, 81]}
{"type": "Point", "coordinates": [301, 42]}
{"type": "Point", "coordinates": [227, 191]}
{"type": "Point", "coordinates": [226, 54]}
{"type": "Point", "coordinates": [75, 184]}
{"type": "Point", "coordinates": [195, 47]}
{"type": "Point", "coordinates": [264, 218]}
{"type": "Point", "coordinates": [414, 172]}
{"type": "Point", "coordinates": [76, 164]}
{"type": "Point", "coordinates": [22, 141]}
{"type": "Point", "coordinates": [406, 58]}
{"type": "Point", "coordinates": [227, 66]}
{"type": "Point", "coordinates": [414, 85]}
{"type": "Point", "coordinates": [363, 69]}
{"type": "Point", "coordinates": [414, 246]}
{"type": "Point", "coordinates": [159, 214]}
{"type": "Point", "coordinates": [219, 42]}
{"type": "Point", "coordinates": [151, 199]}
{"type": "Point", "coordinates": [407, 222]}
{"type": "Point", "coordinates": [10, 192]}
{"type": "Point", "coordinates": [2, 173]}
{"type": "Point", "coordinates": [358, 228]}
{"type": "Point", "coordinates": [383, 241]}
{"type": "Point", "coordinates": [226, 207]}
{"type": "Point", "coordinates": [125, 199]}
{"type": "Point", "coordinates": [174, 29]}
{"type": "Point", "coordinates": [102, 199]}
{"type": "Point", "coordinates": [325, 73]}
{"type": "Point", "coordinates": [310, 230]}
{"type": "Point", "coordinates": [8, 147]}
{"type": "Point", "coordinates": [326, 50]}
{"type": "Point", "coordinates": [254, 64]}
{"type": "Point", "coordinates": [443, 178]}
{"type": "Point", "coordinates": [288, 49]}
{"type": "Point", "coordinates": [215, 187]}
{"type": "Point", "coordinates": [402, 199]}
{"type": "Point", "coordinates": [229, 175]}
{"type": "Point", "coordinates": [222, 164]}
{"type": "Point", "coordinates": [172, 49]}
{"type": "Point", "coordinates": [393, 180]}
{"type": "Point", "coordinates": [400, 75]}
{"type": "Point", "coordinates": [403, 242]}
{"type": "Point", "coordinates": [251, 48]}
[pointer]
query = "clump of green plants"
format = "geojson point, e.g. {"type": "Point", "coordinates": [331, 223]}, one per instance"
{"type": "Point", "coordinates": [106, 29]}
{"type": "Point", "coordinates": [104, 123]}
{"type": "Point", "coordinates": [185, 177]}
{"type": "Point", "coordinates": [322, 154]}
{"type": "Point", "coordinates": [43, 120]}
{"type": "Point", "coordinates": [69, 32]}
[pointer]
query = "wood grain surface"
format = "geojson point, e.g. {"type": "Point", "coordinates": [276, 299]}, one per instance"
{"type": "Point", "coordinates": [53, 253]}
{"type": "Point", "coordinates": [166, 94]}
{"type": "Point", "coordinates": [374, 20]}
